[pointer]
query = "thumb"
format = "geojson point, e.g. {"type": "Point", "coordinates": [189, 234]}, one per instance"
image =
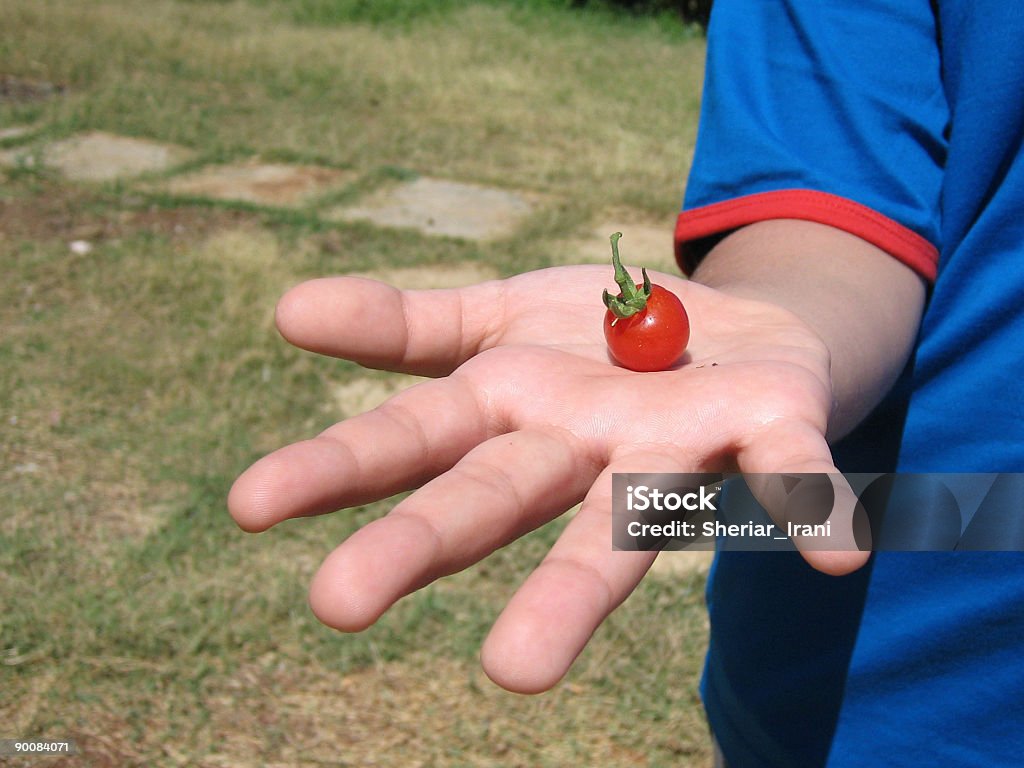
{"type": "Point", "coordinates": [425, 332]}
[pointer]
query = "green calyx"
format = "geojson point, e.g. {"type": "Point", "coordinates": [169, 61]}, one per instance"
{"type": "Point", "coordinates": [630, 299]}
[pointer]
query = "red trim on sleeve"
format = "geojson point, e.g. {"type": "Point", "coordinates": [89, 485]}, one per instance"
{"type": "Point", "coordinates": [809, 205]}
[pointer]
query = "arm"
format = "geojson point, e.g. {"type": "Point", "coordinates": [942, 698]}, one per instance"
{"type": "Point", "coordinates": [832, 114]}
{"type": "Point", "coordinates": [865, 305]}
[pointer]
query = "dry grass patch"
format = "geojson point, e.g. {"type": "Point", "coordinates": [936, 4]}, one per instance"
{"type": "Point", "coordinates": [65, 213]}
{"type": "Point", "coordinates": [419, 712]}
{"type": "Point", "coordinates": [114, 357]}
{"type": "Point", "coordinates": [433, 276]}
{"type": "Point", "coordinates": [422, 711]}
{"type": "Point", "coordinates": [647, 241]}
{"type": "Point", "coordinates": [670, 565]}
{"type": "Point", "coordinates": [367, 392]}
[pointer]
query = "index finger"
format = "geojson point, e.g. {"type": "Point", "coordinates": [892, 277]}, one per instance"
{"type": "Point", "coordinates": [425, 332]}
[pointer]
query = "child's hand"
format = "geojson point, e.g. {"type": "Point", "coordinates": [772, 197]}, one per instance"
{"type": "Point", "coordinates": [528, 418]}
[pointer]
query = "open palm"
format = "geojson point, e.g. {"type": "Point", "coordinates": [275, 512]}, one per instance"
{"type": "Point", "coordinates": [526, 417]}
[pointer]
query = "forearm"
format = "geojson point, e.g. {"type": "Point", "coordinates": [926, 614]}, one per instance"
{"type": "Point", "coordinates": [864, 304]}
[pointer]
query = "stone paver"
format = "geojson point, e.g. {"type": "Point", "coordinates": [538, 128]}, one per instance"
{"type": "Point", "coordinates": [101, 156]}
{"type": "Point", "coordinates": [642, 244]}
{"type": "Point", "coordinates": [15, 132]}
{"type": "Point", "coordinates": [10, 158]}
{"type": "Point", "coordinates": [263, 183]}
{"type": "Point", "coordinates": [440, 207]}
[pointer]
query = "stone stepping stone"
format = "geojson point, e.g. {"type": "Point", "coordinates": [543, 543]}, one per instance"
{"type": "Point", "coordinates": [440, 207]}
{"type": "Point", "coordinates": [274, 184]}
{"type": "Point", "coordinates": [15, 132]}
{"type": "Point", "coordinates": [101, 156]}
{"type": "Point", "coordinates": [642, 244]}
{"type": "Point", "coordinates": [12, 158]}
{"type": "Point", "coordinates": [15, 156]}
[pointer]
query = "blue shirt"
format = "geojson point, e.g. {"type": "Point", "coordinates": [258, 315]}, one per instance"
{"type": "Point", "coordinates": [902, 122]}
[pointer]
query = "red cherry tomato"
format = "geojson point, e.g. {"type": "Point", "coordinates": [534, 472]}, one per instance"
{"type": "Point", "coordinates": [652, 339]}
{"type": "Point", "coordinates": [646, 326]}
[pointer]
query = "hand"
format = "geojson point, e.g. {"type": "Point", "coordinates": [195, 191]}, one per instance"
{"type": "Point", "coordinates": [528, 417]}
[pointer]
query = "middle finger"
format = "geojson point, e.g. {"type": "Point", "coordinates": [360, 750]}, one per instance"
{"type": "Point", "coordinates": [502, 489]}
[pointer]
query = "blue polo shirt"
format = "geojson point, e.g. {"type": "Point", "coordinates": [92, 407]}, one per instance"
{"type": "Point", "coordinates": [902, 122]}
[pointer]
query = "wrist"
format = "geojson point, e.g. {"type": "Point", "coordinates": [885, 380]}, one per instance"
{"type": "Point", "coordinates": [863, 305]}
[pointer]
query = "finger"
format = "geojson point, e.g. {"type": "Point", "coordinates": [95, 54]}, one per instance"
{"type": "Point", "coordinates": [401, 444]}
{"type": "Point", "coordinates": [502, 489]}
{"type": "Point", "coordinates": [426, 332]}
{"type": "Point", "coordinates": [552, 616]}
{"type": "Point", "coordinates": [793, 448]}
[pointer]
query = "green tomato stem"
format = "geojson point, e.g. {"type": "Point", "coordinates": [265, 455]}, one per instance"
{"type": "Point", "coordinates": [631, 299]}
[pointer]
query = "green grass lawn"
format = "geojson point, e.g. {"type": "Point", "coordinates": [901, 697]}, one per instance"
{"type": "Point", "coordinates": [138, 380]}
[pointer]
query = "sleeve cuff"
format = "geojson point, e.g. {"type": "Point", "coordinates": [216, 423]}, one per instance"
{"type": "Point", "coordinates": [698, 229]}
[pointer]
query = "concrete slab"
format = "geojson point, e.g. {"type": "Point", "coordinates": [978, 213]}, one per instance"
{"type": "Point", "coordinates": [441, 207]}
{"type": "Point", "coordinates": [262, 183]}
{"type": "Point", "coordinates": [12, 158]}
{"type": "Point", "coordinates": [15, 132]}
{"type": "Point", "coordinates": [101, 156]}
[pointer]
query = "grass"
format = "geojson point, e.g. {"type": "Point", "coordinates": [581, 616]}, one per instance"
{"type": "Point", "coordinates": [137, 380]}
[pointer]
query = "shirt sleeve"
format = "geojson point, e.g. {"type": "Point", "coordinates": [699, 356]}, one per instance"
{"type": "Point", "coordinates": [821, 110]}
